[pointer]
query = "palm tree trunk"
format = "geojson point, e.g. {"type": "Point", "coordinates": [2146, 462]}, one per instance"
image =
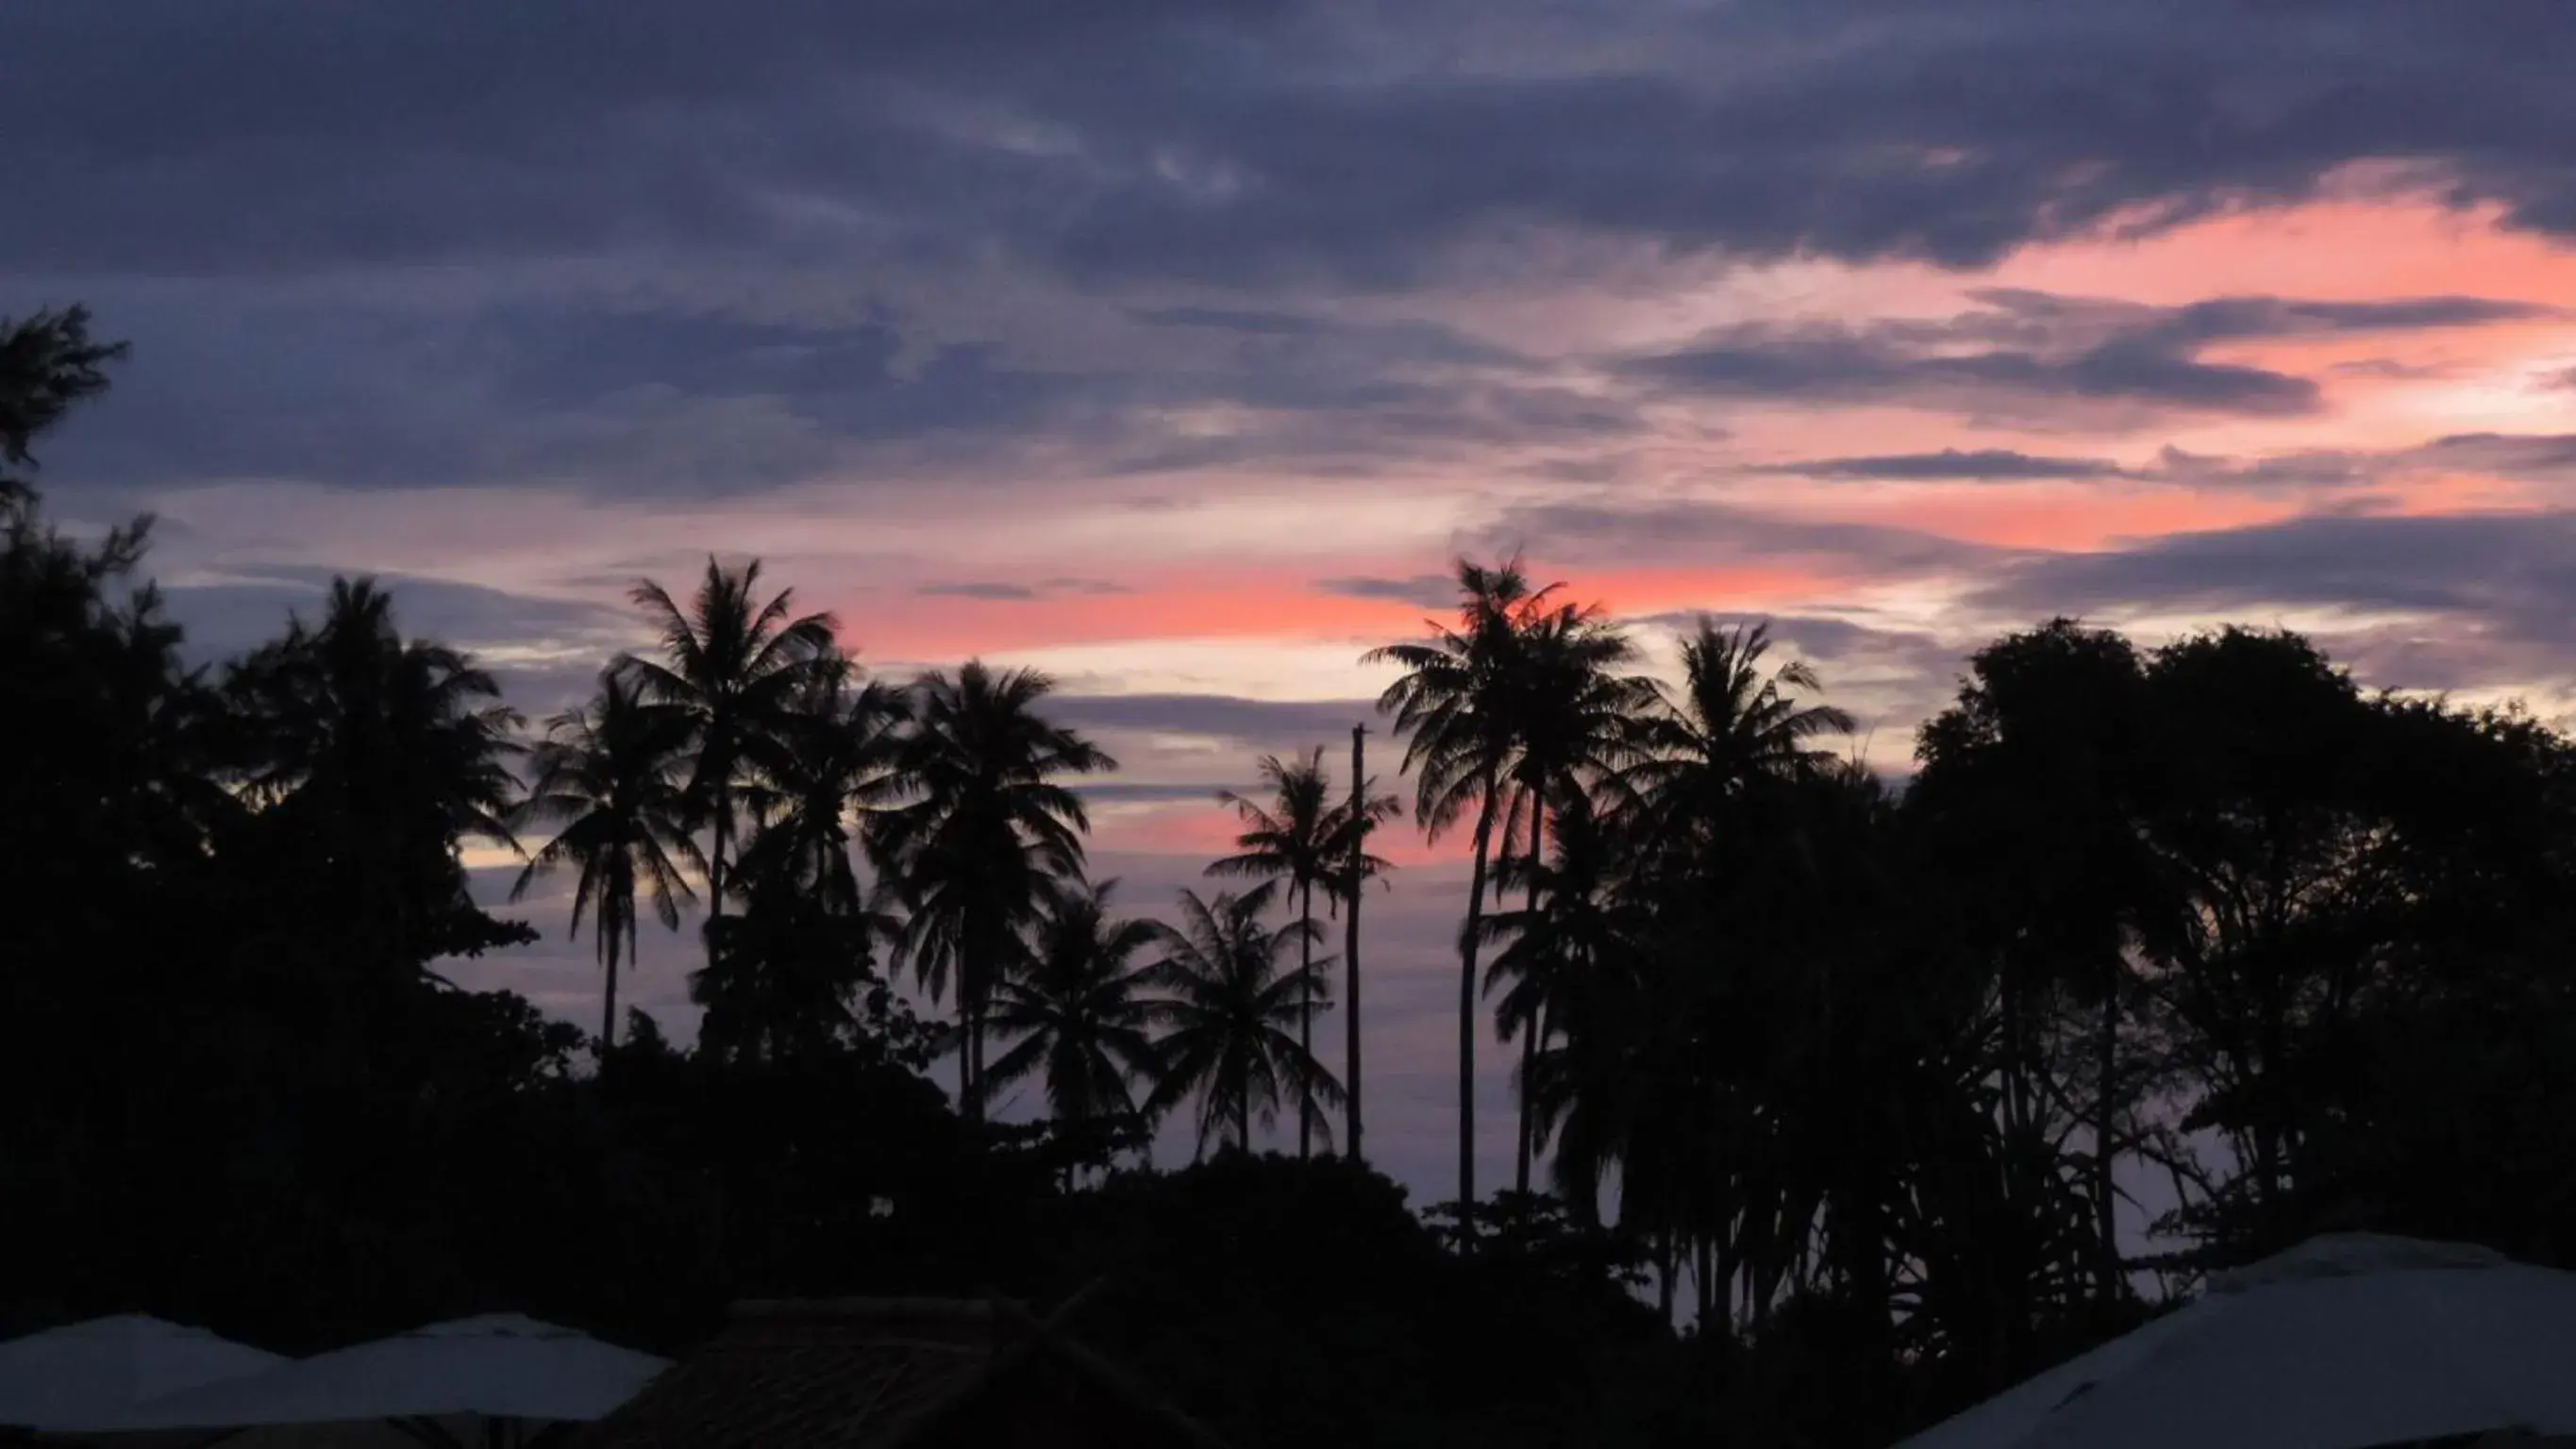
{"type": "Point", "coordinates": [1664, 1271]}
{"type": "Point", "coordinates": [716, 869]}
{"type": "Point", "coordinates": [608, 937]}
{"type": "Point", "coordinates": [1530, 1029]}
{"type": "Point", "coordinates": [1351, 952]}
{"type": "Point", "coordinates": [970, 1022]}
{"type": "Point", "coordinates": [1725, 1274]}
{"type": "Point", "coordinates": [1306, 1016]}
{"type": "Point", "coordinates": [1709, 1296]}
{"type": "Point", "coordinates": [975, 1049]}
{"type": "Point", "coordinates": [1467, 1010]}
{"type": "Point", "coordinates": [1242, 1094]}
{"type": "Point", "coordinates": [2106, 1049]}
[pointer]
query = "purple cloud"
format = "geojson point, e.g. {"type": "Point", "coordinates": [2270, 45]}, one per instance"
{"type": "Point", "coordinates": [2030, 354]}
{"type": "Point", "coordinates": [1978, 465]}
{"type": "Point", "coordinates": [1429, 591]}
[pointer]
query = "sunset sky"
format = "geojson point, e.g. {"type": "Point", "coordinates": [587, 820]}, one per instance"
{"type": "Point", "coordinates": [1176, 346]}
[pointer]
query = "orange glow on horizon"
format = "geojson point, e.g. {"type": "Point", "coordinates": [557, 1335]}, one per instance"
{"type": "Point", "coordinates": [1257, 607]}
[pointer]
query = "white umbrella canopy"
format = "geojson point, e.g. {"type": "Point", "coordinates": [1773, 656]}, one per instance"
{"type": "Point", "coordinates": [76, 1375]}
{"type": "Point", "coordinates": [495, 1367]}
{"type": "Point", "coordinates": [2347, 1342]}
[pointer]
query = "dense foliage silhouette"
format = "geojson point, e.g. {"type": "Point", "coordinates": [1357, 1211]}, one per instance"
{"type": "Point", "coordinates": [1861, 1085]}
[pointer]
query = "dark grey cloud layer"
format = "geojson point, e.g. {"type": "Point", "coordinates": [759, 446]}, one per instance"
{"type": "Point", "coordinates": [2037, 355]}
{"type": "Point", "coordinates": [544, 652]}
{"type": "Point", "coordinates": [2524, 457]}
{"type": "Point", "coordinates": [1271, 724]}
{"type": "Point", "coordinates": [2518, 565]}
{"type": "Point", "coordinates": [1974, 465]}
{"type": "Point", "coordinates": [1204, 172]}
{"type": "Point", "coordinates": [622, 394]}
{"type": "Point", "coordinates": [1135, 792]}
{"type": "Point", "coordinates": [1607, 529]}
{"type": "Point", "coordinates": [1001, 591]}
{"type": "Point", "coordinates": [2455, 602]}
{"type": "Point", "coordinates": [2529, 455]}
{"type": "Point", "coordinates": [1262, 139]}
{"type": "Point", "coordinates": [228, 618]}
{"type": "Point", "coordinates": [1429, 591]}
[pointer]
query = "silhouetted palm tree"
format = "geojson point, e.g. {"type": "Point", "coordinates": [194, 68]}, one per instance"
{"type": "Point", "coordinates": [377, 753]}
{"type": "Point", "coordinates": [738, 666]}
{"type": "Point", "coordinates": [1362, 811]}
{"type": "Point", "coordinates": [1577, 719]}
{"type": "Point", "coordinates": [1299, 840]}
{"type": "Point", "coordinates": [1225, 1011]}
{"type": "Point", "coordinates": [986, 837]}
{"type": "Point", "coordinates": [1733, 727]}
{"type": "Point", "coordinates": [1712, 811]}
{"type": "Point", "coordinates": [607, 784]}
{"type": "Point", "coordinates": [1579, 930]}
{"type": "Point", "coordinates": [1458, 703]}
{"type": "Point", "coordinates": [787, 973]}
{"type": "Point", "coordinates": [833, 761]}
{"type": "Point", "coordinates": [1079, 1012]}
{"type": "Point", "coordinates": [350, 705]}
{"type": "Point", "coordinates": [784, 973]}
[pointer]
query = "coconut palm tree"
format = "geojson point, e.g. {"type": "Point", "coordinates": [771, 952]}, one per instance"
{"type": "Point", "coordinates": [1733, 726]}
{"type": "Point", "coordinates": [376, 753]}
{"type": "Point", "coordinates": [1711, 808]}
{"type": "Point", "coordinates": [1079, 1011]}
{"type": "Point", "coordinates": [1226, 1009]}
{"type": "Point", "coordinates": [1459, 704]}
{"type": "Point", "coordinates": [1579, 929]}
{"type": "Point", "coordinates": [1304, 839]}
{"type": "Point", "coordinates": [787, 973]}
{"type": "Point", "coordinates": [985, 837]}
{"type": "Point", "coordinates": [1363, 810]}
{"type": "Point", "coordinates": [608, 786]}
{"type": "Point", "coordinates": [1577, 721]}
{"type": "Point", "coordinates": [833, 761]}
{"type": "Point", "coordinates": [737, 665]}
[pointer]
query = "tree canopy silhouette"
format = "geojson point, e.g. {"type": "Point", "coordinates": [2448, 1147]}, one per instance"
{"type": "Point", "coordinates": [1840, 1091]}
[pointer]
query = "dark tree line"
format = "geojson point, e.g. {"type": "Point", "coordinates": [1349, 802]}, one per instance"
{"type": "Point", "coordinates": [1850, 1079]}
{"type": "Point", "coordinates": [1870, 1073]}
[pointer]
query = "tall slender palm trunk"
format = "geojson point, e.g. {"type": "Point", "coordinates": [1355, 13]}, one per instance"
{"type": "Point", "coordinates": [1706, 1274]}
{"type": "Point", "coordinates": [609, 933]}
{"type": "Point", "coordinates": [970, 1022]}
{"type": "Point", "coordinates": [1467, 1010]}
{"type": "Point", "coordinates": [1241, 1091]}
{"type": "Point", "coordinates": [2106, 1053]}
{"type": "Point", "coordinates": [1351, 951]}
{"type": "Point", "coordinates": [972, 1058]}
{"type": "Point", "coordinates": [1306, 1013]}
{"type": "Point", "coordinates": [1532, 1029]}
{"type": "Point", "coordinates": [716, 869]}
